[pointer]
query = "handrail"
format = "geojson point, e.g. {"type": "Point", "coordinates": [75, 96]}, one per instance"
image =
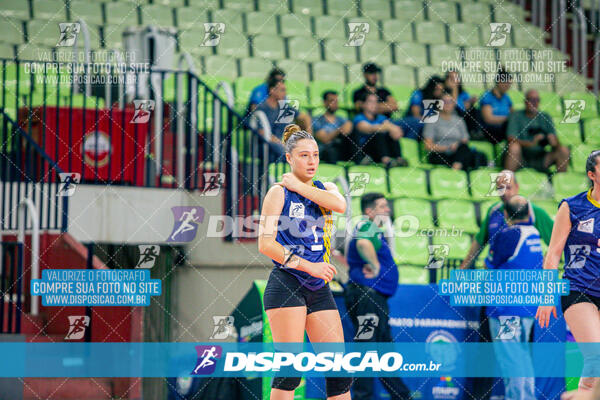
{"type": "Point", "coordinates": [35, 243]}
{"type": "Point", "coordinates": [217, 119]}
{"type": "Point", "coordinates": [187, 58]}
{"type": "Point", "coordinates": [87, 49]}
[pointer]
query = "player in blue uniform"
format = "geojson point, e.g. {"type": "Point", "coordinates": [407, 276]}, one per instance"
{"type": "Point", "coordinates": [297, 297]}
{"type": "Point", "coordinates": [577, 233]}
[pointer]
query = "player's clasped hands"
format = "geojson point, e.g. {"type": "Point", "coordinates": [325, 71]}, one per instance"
{"type": "Point", "coordinates": [322, 270]}
{"type": "Point", "coordinates": [290, 182]}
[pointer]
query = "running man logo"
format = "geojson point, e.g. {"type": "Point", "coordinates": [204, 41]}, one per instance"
{"type": "Point", "coordinates": [69, 181]}
{"type": "Point", "coordinates": [186, 223]}
{"type": "Point", "coordinates": [223, 327]}
{"type": "Point", "coordinates": [509, 327]}
{"type": "Point", "coordinates": [437, 255]}
{"type": "Point", "coordinates": [68, 33]}
{"type": "Point", "coordinates": [148, 255]}
{"type": "Point", "coordinates": [296, 210]}
{"type": "Point", "coordinates": [499, 32]}
{"type": "Point", "coordinates": [213, 183]}
{"type": "Point", "coordinates": [207, 359]}
{"type": "Point", "coordinates": [77, 325]}
{"type": "Point", "coordinates": [431, 111]}
{"type": "Point", "coordinates": [366, 326]}
{"type": "Point", "coordinates": [212, 33]}
{"type": "Point", "coordinates": [573, 110]}
{"type": "Point", "coordinates": [287, 111]}
{"type": "Point", "coordinates": [357, 33]}
{"type": "Point", "coordinates": [143, 110]}
{"type": "Point", "coordinates": [358, 182]}
{"type": "Point", "coordinates": [498, 183]}
{"type": "Point", "coordinates": [579, 254]}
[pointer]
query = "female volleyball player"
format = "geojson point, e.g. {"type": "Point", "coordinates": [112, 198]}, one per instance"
{"type": "Point", "coordinates": [297, 296]}
{"type": "Point", "coordinates": [576, 231]}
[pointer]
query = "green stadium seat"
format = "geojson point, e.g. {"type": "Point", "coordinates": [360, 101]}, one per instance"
{"type": "Point", "coordinates": [189, 18]}
{"type": "Point", "coordinates": [532, 184]}
{"type": "Point", "coordinates": [458, 245]}
{"type": "Point", "coordinates": [467, 35]}
{"type": "Point", "coordinates": [7, 50]}
{"type": "Point", "coordinates": [443, 54]}
{"type": "Point", "coordinates": [484, 147]}
{"type": "Point", "coordinates": [295, 25]}
{"type": "Point", "coordinates": [11, 31]}
{"type": "Point", "coordinates": [408, 207]}
{"type": "Point", "coordinates": [459, 214]}
{"type": "Point", "coordinates": [445, 12]}
{"type": "Point", "coordinates": [43, 33]}
{"type": "Point", "coordinates": [243, 88]}
{"type": "Point", "coordinates": [431, 32]}
{"type": "Point", "coordinates": [255, 67]}
{"type": "Point", "coordinates": [408, 181]}
{"type": "Point", "coordinates": [481, 183]}
{"type": "Point", "coordinates": [15, 9]}
{"type": "Point", "coordinates": [509, 12]}
{"type": "Point", "coordinates": [449, 183]}
{"type": "Point", "coordinates": [410, 275]}
{"type": "Point", "coordinates": [157, 14]}
{"type": "Point", "coordinates": [518, 60]}
{"type": "Point", "coordinates": [579, 155]}
{"type": "Point", "coordinates": [413, 250]}
{"type": "Point", "coordinates": [413, 54]}
{"type": "Point", "coordinates": [476, 13]}
{"type": "Point", "coordinates": [112, 36]}
{"type": "Point", "coordinates": [402, 94]}
{"type": "Point", "coordinates": [376, 9]}
{"type": "Point", "coordinates": [239, 5]}
{"type": "Point", "coordinates": [276, 170]}
{"type": "Point", "coordinates": [591, 103]}
{"type": "Point", "coordinates": [190, 41]}
{"type": "Point", "coordinates": [426, 72]}
{"type": "Point", "coordinates": [550, 207]}
{"type": "Point", "coordinates": [10, 83]}
{"type": "Point", "coordinates": [518, 99]}
{"type": "Point", "coordinates": [90, 12]}
{"type": "Point", "coordinates": [376, 51]}
{"type": "Point", "coordinates": [567, 184]}
{"type": "Point", "coordinates": [34, 53]}
{"type": "Point", "coordinates": [335, 50]}
{"type": "Point", "coordinates": [592, 131]}
{"type": "Point", "coordinates": [329, 172]}
{"type": "Point", "coordinates": [568, 134]}
{"type": "Point", "coordinates": [551, 103]}
{"type": "Point", "coordinates": [398, 31]}
{"type": "Point", "coordinates": [296, 90]}
{"type": "Point", "coordinates": [121, 13]}
{"type": "Point", "coordinates": [261, 23]}
{"type": "Point", "coordinates": [537, 81]}
{"type": "Point", "coordinates": [170, 3]}
{"type": "Point", "coordinates": [204, 4]}
{"type": "Point", "coordinates": [399, 75]}
{"type": "Point", "coordinates": [308, 7]}
{"type": "Point", "coordinates": [329, 71]}
{"type": "Point", "coordinates": [329, 26]}
{"type": "Point", "coordinates": [270, 47]}
{"type": "Point", "coordinates": [342, 8]}
{"type": "Point", "coordinates": [409, 10]}
{"type": "Point", "coordinates": [410, 152]}
{"type": "Point", "coordinates": [349, 94]}
{"type": "Point", "coordinates": [273, 7]}
{"type": "Point", "coordinates": [231, 18]}
{"type": "Point", "coordinates": [355, 75]}
{"type": "Point", "coordinates": [367, 178]}
{"type": "Point", "coordinates": [317, 88]}
{"type": "Point", "coordinates": [294, 69]}
{"type": "Point", "coordinates": [221, 66]}
{"type": "Point", "coordinates": [233, 44]}
{"type": "Point", "coordinates": [54, 10]}
{"type": "Point", "coordinates": [569, 82]}
{"type": "Point", "coordinates": [480, 261]}
{"type": "Point", "coordinates": [304, 48]}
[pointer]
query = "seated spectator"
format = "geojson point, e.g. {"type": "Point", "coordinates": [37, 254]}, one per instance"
{"type": "Point", "coordinates": [331, 131]}
{"type": "Point", "coordinates": [386, 104]}
{"type": "Point", "coordinates": [411, 123]}
{"type": "Point", "coordinates": [464, 101]}
{"type": "Point", "coordinates": [529, 132]}
{"type": "Point", "coordinates": [496, 106]}
{"type": "Point", "coordinates": [447, 140]}
{"type": "Point", "coordinates": [280, 113]}
{"type": "Point", "coordinates": [261, 92]}
{"type": "Point", "coordinates": [376, 137]}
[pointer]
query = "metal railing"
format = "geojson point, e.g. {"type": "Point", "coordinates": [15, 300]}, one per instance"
{"type": "Point", "coordinates": [11, 272]}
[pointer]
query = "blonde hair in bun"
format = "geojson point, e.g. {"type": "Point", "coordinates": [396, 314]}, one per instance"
{"type": "Point", "coordinates": [292, 134]}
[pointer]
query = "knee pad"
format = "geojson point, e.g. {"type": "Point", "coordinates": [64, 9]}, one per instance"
{"type": "Point", "coordinates": [282, 383]}
{"type": "Point", "coordinates": [337, 385]}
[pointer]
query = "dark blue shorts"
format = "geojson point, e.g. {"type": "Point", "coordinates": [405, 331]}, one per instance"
{"type": "Point", "coordinates": [575, 297]}
{"type": "Point", "coordinates": [285, 290]}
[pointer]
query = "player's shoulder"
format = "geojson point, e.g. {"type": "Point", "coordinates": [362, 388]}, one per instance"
{"type": "Point", "coordinates": [577, 200]}
{"type": "Point", "coordinates": [276, 192]}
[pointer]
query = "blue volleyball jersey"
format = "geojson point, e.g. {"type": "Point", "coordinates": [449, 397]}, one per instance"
{"type": "Point", "coordinates": [306, 229]}
{"type": "Point", "coordinates": [582, 256]}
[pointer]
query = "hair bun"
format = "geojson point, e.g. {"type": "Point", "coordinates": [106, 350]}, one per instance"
{"type": "Point", "coordinates": [289, 131]}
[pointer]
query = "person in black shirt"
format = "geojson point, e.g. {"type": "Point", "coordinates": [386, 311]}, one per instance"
{"type": "Point", "coordinates": [386, 104]}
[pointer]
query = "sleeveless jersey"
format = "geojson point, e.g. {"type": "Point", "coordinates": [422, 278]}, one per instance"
{"type": "Point", "coordinates": [305, 228]}
{"type": "Point", "coordinates": [582, 256]}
